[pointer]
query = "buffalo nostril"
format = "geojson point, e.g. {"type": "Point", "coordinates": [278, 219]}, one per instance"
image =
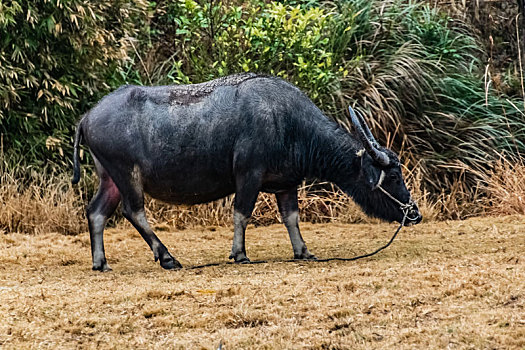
{"type": "Point", "coordinates": [415, 217]}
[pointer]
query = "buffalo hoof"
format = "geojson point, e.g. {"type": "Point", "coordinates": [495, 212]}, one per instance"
{"type": "Point", "coordinates": [305, 256]}
{"type": "Point", "coordinates": [102, 267]}
{"type": "Point", "coordinates": [166, 260]}
{"type": "Point", "coordinates": [169, 263]}
{"type": "Point", "coordinates": [243, 261]}
{"type": "Point", "coordinates": [240, 258]}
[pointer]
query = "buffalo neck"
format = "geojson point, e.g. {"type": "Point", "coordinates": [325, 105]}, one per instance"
{"type": "Point", "coordinates": [332, 156]}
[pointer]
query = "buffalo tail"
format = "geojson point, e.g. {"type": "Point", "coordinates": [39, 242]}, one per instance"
{"type": "Point", "coordinates": [76, 157]}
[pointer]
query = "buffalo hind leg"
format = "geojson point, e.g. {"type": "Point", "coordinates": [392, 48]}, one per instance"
{"type": "Point", "coordinates": [98, 211]}
{"type": "Point", "coordinates": [133, 210]}
{"type": "Point", "coordinates": [289, 209]}
{"type": "Point", "coordinates": [247, 189]}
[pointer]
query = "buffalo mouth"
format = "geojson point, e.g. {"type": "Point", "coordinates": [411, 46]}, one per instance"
{"type": "Point", "coordinates": [413, 218]}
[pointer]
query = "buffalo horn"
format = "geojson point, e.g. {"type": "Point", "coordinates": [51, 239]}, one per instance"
{"type": "Point", "coordinates": [366, 129]}
{"type": "Point", "coordinates": [366, 138]}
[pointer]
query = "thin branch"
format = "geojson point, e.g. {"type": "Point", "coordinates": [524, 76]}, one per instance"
{"type": "Point", "coordinates": [141, 61]}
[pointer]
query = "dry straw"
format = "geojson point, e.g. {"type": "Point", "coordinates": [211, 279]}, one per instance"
{"type": "Point", "coordinates": [51, 204]}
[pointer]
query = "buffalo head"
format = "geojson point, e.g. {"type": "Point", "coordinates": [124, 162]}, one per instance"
{"type": "Point", "coordinates": [381, 191]}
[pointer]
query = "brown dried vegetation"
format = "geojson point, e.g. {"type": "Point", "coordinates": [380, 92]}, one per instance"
{"type": "Point", "coordinates": [52, 204]}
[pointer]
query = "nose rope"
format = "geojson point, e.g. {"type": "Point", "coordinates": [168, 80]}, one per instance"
{"type": "Point", "coordinates": [405, 208]}
{"type": "Point", "coordinates": [405, 215]}
{"type": "Point", "coordinates": [405, 212]}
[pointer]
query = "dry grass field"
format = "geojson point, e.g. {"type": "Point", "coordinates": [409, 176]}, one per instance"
{"type": "Point", "coordinates": [441, 285]}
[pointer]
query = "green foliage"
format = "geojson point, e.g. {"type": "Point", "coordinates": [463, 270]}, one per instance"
{"type": "Point", "coordinates": [55, 59]}
{"type": "Point", "coordinates": [293, 43]}
{"type": "Point", "coordinates": [214, 39]}
{"type": "Point", "coordinates": [409, 67]}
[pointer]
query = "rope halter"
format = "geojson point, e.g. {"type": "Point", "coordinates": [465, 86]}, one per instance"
{"type": "Point", "coordinates": [406, 208]}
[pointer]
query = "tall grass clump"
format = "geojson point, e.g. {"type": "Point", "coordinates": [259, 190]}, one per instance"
{"type": "Point", "coordinates": [504, 186]}
{"type": "Point", "coordinates": [422, 86]}
{"type": "Point", "coordinates": [500, 26]}
{"type": "Point", "coordinates": [35, 201]}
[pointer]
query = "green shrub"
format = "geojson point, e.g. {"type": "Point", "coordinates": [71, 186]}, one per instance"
{"type": "Point", "coordinates": [200, 42]}
{"type": "Point", "coordinates": [55, 60]}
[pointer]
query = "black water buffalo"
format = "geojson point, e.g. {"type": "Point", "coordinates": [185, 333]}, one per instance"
{"type": "Point", "coordinates": [239, 134]}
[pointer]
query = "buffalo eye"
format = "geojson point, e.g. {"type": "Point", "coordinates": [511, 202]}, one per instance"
{"type": "Point", "coordinates": [394, 177]}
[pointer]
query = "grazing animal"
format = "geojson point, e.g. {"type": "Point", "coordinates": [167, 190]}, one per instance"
{"type": "Point", "coordinates": [241, 134]}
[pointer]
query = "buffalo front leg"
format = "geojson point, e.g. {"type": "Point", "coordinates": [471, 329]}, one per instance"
{"type": "Point", "coordinates": [247, 189]}
{"type": "Point", "coordinates": [238, 253]}
{"type": "Point", "coordinates": [289, 209]}
{"type": "Point", "coordinates": [98, 211]}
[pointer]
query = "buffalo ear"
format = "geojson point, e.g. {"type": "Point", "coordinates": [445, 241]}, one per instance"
{"type": "Point", "coordinates": [370, 173]}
